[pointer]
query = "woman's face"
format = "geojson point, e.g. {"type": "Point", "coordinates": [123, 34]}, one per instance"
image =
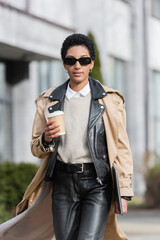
{"type": "Point", "coordinates": [78, 73]}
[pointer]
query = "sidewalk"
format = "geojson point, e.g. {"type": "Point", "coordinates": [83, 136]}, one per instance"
{"type": "Point", "coordinates": [141, 224]}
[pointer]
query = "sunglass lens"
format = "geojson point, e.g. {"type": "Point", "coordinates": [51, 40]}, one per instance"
{"type": "Point", "coordinates": [70, 61]}
{"type": "Point", "coordinates": [85, 61]}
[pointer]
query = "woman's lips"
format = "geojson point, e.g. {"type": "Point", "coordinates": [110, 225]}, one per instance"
{"type": "Point", "coordinates": [77, 74]}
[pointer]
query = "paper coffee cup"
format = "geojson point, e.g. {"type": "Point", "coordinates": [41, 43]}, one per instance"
{"type": "Point", "coordinates": [58, 117]}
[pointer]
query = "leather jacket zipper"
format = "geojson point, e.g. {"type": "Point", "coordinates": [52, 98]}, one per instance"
{"type": "Point", "coordinates": [99, 181]}
{"type": "Point", "coordinates": [98, 178]}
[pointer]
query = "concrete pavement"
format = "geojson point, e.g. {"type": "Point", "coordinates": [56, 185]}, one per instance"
{"type": "Point", "coordinates": [141, 224]}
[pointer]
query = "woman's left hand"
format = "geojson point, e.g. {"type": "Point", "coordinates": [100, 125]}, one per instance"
{"type": "Point", "coordinates": [124, 206]}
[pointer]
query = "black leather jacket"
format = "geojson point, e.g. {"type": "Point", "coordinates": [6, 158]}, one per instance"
{"type": "Point", "coordinates": [96, 131]}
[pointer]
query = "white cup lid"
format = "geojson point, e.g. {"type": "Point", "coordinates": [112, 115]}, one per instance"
{"type": "Point", "coordinates": [55, 113]}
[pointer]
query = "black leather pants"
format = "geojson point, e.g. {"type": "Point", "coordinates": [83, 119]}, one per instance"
{"type": "Point", "coordinates": [80, 205]}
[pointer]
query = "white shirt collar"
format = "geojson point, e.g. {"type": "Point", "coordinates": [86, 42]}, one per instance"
{"type": "Point", "coordinates": [82, 93]}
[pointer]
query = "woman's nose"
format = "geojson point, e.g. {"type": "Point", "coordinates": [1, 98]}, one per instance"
{"type": "Point", "coordinates": [77, 65]}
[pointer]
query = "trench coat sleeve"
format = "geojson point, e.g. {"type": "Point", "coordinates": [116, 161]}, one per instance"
{"type": "Point", "coordinates": [37, 148]}
{"type": "Point", "coordinates": [123, 162]}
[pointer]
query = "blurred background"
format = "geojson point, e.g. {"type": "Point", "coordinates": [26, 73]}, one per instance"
{"type": "Point", "coordinates": [127, 38]}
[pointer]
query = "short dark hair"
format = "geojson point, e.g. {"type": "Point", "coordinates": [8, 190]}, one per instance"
{"type": "Point", "coordinates": [77, 39]}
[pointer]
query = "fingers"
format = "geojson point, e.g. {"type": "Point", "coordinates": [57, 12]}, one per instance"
{"type": "Point", "coordinates": [124, 207]}
{"type": "Point", "coordinates": [49, 123]}
{"type": "Point", "coordinates": [51, 131]}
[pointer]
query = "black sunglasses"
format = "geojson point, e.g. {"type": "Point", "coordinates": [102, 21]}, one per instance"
{"type": "Point", "coordinates": [83, 61]}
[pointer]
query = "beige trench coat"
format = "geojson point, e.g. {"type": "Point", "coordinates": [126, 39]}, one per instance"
{"type": "Point", "coordinates": [119, 154]}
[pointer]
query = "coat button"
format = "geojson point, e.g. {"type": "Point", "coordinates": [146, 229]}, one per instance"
{"type": "Point", "coordinates": [38, 143]}
{"type": "Point", "coordinates": [102, 107]}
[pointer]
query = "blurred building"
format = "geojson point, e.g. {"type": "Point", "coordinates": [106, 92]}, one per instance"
{"type": "Point", "coordinates": [127, 33]}
{"type": "Point", "coordinates": [31, 34]}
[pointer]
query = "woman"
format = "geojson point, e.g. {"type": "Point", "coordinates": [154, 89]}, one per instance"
{"type": "Point", "coordinates": [80, 161]}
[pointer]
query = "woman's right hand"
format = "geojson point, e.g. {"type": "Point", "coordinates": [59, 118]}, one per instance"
{"type": "Point", "coordinates": [51, 131]}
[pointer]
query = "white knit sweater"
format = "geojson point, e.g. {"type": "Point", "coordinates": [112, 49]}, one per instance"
{"type": "Point", "coordinates": [73, 147]}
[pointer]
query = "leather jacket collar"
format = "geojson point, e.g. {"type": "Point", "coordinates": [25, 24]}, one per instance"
{"type": "Point", "coordinates": [97, 91]}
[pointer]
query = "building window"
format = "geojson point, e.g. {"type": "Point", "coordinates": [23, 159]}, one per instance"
{"type": "Point", "coordinates": [156, 8]}
{"type": "Point", "coordinates": [156, 108]}
{"type": "Point", "coordinates": [5, 117]}
{"type": "Point", "coordinates": [117, 74]}
{"type": "Point", "coordinates": [51, 74]}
